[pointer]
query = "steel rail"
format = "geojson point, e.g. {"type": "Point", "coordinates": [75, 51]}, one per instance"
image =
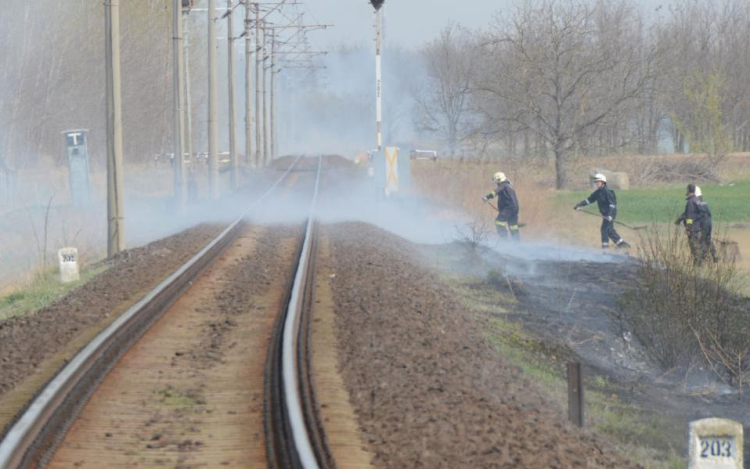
{"type": "Point", "coordinates": [289, 364]}
{"type": "Point", "coordinates": [294, 433]}
{"type": "Point", "coordinates": [47, 418]}
{"type": "Point", "coordinates": [305, 371]}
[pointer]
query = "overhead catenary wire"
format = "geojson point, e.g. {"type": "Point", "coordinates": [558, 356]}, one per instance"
{"type": "Point", "coordinates": [275, 32]}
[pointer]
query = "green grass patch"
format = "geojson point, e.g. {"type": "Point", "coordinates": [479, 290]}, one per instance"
{"type": "Point", "coordinates": [172, 397]}
{"type": "Point", "coordinates": [480, 296]}
{"type": "Point", "coordinates": [664, 204]}
{"type": "Point", "coordinates": [43, 290]}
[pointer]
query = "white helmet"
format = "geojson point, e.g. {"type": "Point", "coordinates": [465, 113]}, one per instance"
{"type": "Point", "coordinates": [499, 177]}
{"type": "Point", "coordinates": [600, 177]}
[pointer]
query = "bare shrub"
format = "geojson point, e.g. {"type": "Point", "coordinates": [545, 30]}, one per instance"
{"type": "Point", "coordinates": [474, 233]}
{"type": "Point", "coordinates": [685, 313]}
{"type": "Point", "coordinates": [42, 241]}
{"type": "Point", "coordinates": [649, 171]}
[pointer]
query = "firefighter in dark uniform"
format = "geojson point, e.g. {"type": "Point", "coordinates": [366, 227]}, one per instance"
{"type": "Point", "coordinates": [698, 226]}
{"type": "Point", "coordinates": [607, 201]}
{"type": "Point", "coordinates": [506, 221]}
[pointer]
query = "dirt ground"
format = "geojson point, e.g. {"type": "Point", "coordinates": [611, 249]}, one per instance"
{"type": "Point", "coordinates": [429, 390]}
{"type": "Point", "coordinates": [26, 341]}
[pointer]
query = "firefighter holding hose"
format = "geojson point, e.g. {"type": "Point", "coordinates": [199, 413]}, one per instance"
{"type": "Point", "coordinates": [698, 226]}
{"type": "Point", "coordinates": [607, 202]}
{"type": "Point", "coordinates": [506, 221]}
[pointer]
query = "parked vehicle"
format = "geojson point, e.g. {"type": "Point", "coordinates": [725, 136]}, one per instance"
{"type": "Point", "coordinates": [423, 155]}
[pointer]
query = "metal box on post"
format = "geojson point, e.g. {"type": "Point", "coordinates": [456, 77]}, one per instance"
{"type": "Point", "coordinates": [78, 165]}
{"type": "Point", "coordinates": [392, 171]}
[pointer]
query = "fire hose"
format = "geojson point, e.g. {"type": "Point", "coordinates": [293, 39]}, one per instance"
{"type": "Point", "coordinates": [520, 225]}
{"type": "Point", "coordinates": [634, 228]}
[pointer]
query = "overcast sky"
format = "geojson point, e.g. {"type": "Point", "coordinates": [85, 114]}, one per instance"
{"type": "Point", "coordinates": [409, 23]}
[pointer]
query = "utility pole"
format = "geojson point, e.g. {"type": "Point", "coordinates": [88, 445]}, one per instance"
{"type": "Point", "coordinates": [213, 108]}
{"type": "Point", "coordinates": [273, 90]}
{"type": "Point", "coordinates": [248, 86]}
{"type": "Point", "coordinates": [262, 153]}
{"type": "Point", "coordinates": [232, 105]}
{"type": "Point", "coordinates": [265, 94]}
{"type": "Point", "coordinates": [188, 102]}
{"type": "Point", "coordinates": [258, 140]}
{"type": "Point", "coordinates": [178, 163]}
{"type": "Point", "coordinates": [115, 216]}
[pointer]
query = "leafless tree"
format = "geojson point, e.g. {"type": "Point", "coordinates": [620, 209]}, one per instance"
{"type": "Point", "coordinates": [560, 69]}
{"type": "Point", "coordinates": [442, 100]}
{"type": "Point", "coordinates": [707, 92]}
{"type": "Point", "coordinates": [53, 78]}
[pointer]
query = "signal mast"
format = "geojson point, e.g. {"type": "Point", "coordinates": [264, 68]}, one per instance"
{"type": "Point", "coordinates": [378, 70]}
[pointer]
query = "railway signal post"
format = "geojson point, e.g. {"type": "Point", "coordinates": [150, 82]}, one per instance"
{"type": "Point", "coordinates": [377, 4]}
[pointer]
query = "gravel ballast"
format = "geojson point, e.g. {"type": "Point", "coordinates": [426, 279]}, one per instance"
{"type": "Point", "coordinates": [428, 388]}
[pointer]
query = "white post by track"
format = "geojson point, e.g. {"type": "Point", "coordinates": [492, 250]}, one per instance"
{"type": "Point", "coordinates": [68, 259]}
{"type": "Point", "coordinates": [716, 444]}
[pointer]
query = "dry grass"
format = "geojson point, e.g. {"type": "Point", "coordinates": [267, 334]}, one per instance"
{"type": "Point", "coordinates": [460, 186]}
{"type": "Point", "coordinates": [684, 313]}
{"type": "Point", "coordinates": [24, 222]}
{"type": "Point", "coordinates": [736, 166]}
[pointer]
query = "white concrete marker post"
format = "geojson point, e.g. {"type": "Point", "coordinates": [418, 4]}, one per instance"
{"type": "Point", "coordinates": [68, 258]}
{"type": "Point", "coordinates": [715, 444]}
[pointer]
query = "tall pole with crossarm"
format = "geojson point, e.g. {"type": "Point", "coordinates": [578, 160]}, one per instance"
{"type": "Point", "coordinates": [249, 159]}
{"type": "Point", "coordinates": [232, 104]}
{"type": "Point", "coordinates": [213, 105]}
{"type": "Point", "coordinates": [179, 113]}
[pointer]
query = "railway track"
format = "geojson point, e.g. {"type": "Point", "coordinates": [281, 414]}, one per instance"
{"type": "Point", "coordinates": [153, 386]}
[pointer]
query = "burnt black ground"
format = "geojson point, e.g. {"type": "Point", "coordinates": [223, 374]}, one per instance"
{"type": "Point", "coordinates": [574, 307]}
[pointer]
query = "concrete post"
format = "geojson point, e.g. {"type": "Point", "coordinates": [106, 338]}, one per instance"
{"type": "Point", "coordinates": [232, 104]}
{"type": "Point", "coordinates": [188, 101]}
{"type": "Point", "coordinates": [249, 160]}
{"type": "Point", "coordinates": [258, 141]}
{"type": "Point", "coordinates": [272, 155]}
{"type": "Point", "coordinates": [178, 136]}
{"type": "Point", "coordinates": [115, 215]}
{"type": "Point", "coordinates": [265, 101]}
{"type": "Point", "coordinates": [213, 105]}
